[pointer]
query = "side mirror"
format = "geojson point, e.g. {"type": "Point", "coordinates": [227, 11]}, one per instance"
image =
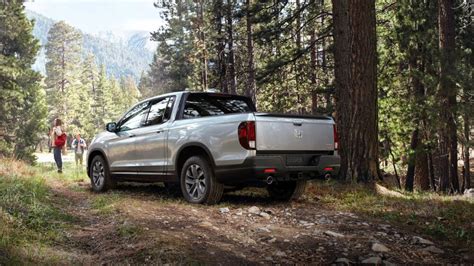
{"type": "Point", "coordinates": [111, 127]}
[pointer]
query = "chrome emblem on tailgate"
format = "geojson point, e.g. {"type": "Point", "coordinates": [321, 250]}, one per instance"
{"type": "Point", "coordinates": [298, 134]}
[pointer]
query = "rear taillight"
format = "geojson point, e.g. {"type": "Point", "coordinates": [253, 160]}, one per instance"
{"type": "Point", "coordinates": [336, 138]}
{"type": "Point", "coordinates": [246, 133]}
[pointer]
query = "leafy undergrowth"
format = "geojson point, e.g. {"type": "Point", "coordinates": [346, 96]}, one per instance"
{"type": "Point", "coordinates": [30, 223]}
{"type": "Point", "coordinates": [445, 218]}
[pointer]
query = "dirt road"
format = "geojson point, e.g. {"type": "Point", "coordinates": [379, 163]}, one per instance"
{"type": "Point", "coordinates": [144, 224]}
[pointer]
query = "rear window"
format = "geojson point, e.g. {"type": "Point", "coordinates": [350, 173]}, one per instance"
{"type": "Point", "coordinates": [199, 105]}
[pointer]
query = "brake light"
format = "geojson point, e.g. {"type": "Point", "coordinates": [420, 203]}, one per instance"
{"type": "Point", "coordinates": [326, 169]}
{"type": "Point", "coordinates": [246, 132]}
{"type": "Point", "coordinates": [336, 138]}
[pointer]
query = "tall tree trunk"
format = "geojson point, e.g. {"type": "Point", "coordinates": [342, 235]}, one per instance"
{"type": "Point", "coordinates": [220, 44]}
{"type": "Point", "coordinates": [431, 170]}
{"type": "Point", "coordinates": [447, 94]}
{"type": "Point", "coordinates": [231, 78]}
{"type": "Point", "coordinates": [250, 89]}
{"type": "Point", "coordinates": [409, 180]}
{"type": "Point", "coordinates": [313, 61]}
{"type": "Point", "coordinates": [422, 181]}
{"type": "Point", "coordinates": [416, 153]}
{"type": "Point", "coordinates": [356, 88]}
{"type": "Point", "coordinates": [297, 63]}
{"type": "Point", "coordinates": [202, 39]}
{"type": "Point", "coordinates": [467, 170]}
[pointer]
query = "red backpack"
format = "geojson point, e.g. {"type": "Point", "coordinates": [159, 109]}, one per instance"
{"type": "Point", "coordinates": [60, 140]}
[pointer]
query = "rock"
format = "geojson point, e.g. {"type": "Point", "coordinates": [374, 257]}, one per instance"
{"type": "Point", "coordinates": [324, 220]}
{"type": "Point", "coordinates": [432, 249]}
{"type": "Point", "coordinates": [239, 213]}
{"type": "Point", "coordinates": [206, 224]}
{"type": "Point", "coordinates": [249, 241]}
{"type": "Point", "coordinates": [420, 240]}
{"type": "Point", "coordinates": [264, 229]}
{"type": "Point", "coordinates": [333, 234]}
{"type": "Point", "coordinates": [343, 261]}
{"type": "Point", "coordinates": [272, 240]}
{"type": "Point", "coordinates": [280, 254]}
{"type": "Point", "coordinates": [269, 258]}
{"type": "Point", "coordinates": [224, 210]}
{"type": "Point", "coordinates": [254, 210]}
{"type": "Point", "coordinates": [265, 215]}
{"type": "Point", "coordinates": [372, 260]}
{"type": "Point", "coordinates": [377, 247]}
{"type": "Point", "coordinates": [469, 193]}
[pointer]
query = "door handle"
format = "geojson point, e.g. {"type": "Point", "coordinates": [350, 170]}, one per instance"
{"type": "Point", "coordinates": [131, 136]}
{"type": "Point", "coordinates": [159, 131]}
{"type": "Point", "coordinates": [297, 123]}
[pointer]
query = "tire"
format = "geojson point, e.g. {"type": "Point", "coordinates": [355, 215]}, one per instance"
{"type": "Point", "coordinates": [101, 179]}
{"type": "Point", "coordinates": [198, 183]}
{"type": "Point", "coordinates": [286, 191]}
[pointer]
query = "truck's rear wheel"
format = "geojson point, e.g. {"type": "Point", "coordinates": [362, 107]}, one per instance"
{"type": "Point", "coordinates": [101, 180]}
{"type": "Point", "coordinates": [198, 183]}
{"type": "Point", "coordinates": [291, 190]}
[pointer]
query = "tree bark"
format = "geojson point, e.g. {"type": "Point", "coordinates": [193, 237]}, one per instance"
{"type": "Point", "coordinates": [297, 63]}
{"type": "Point", "coordinates": [220, 44]}
{"type": "Point", "coordinates": [409, 180]}
{"type": "Point", "coordinates": [250, 89]}
{"type": "Point", "coordinates": [467, 169]}
{"type": "Point", "coordinates": [231, 78]}
{"type": "Point", "coordinates": [202, 38]}
{"type": "Point", "coordinates": [356, 88]}
{"type": "Point", "coordinates": [313, 63]}
{"type": "Point", "coordinates": [422, 181]}
{"type": "Point", "coordinates": [447, 95]}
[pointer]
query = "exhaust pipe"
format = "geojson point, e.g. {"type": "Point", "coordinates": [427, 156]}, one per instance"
{"type": "Point", "coordinates": [327, 176]}
{"type": "Point", "coordinates": [269, 180]}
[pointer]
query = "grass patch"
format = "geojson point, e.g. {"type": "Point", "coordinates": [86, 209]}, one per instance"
{"type": "Point", "coordinates": [441, 217]}
{"type": "Point", "coordinates": [106, 203]}
{"type": "Point", "coordinates": [129, 231]}
{"type": "Point", "coordinates": [29, 219]}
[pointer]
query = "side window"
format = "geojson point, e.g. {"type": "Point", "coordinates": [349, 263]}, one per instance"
{"type": "Point", "coordinates": [134, 118]}
{"type": "Point", "coordinates": [209, 105]}
{"type": "Point", "coordinates": [160, 111]}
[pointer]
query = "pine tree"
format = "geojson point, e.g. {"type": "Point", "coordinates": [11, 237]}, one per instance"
{"type": "Point", "coordinates": [22, 109]}
{"type": "Point", "coordinates": [356, 88]}
{"type": "Point", "coordinates": [175, 47]}
{"type": "Point", "coordinates": [99, 106]}
{"type": "Point", "coordinates": [129, 88]}
{"type": "Point", "coordinates": [446, 96]}
{"type": "Point", "coordinates": [62, 67]}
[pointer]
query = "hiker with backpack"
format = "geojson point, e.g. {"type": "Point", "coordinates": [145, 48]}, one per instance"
{"type": "Point", "coordinates": [59, 138]}
{"type": "Point", "coordinates": [78, 145]}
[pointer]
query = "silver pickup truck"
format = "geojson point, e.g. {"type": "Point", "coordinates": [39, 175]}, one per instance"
{"type": "Point", "coordinates": [202, 143]}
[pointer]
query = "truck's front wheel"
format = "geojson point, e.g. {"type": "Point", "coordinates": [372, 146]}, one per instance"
{"type": "Point", "coordinates": [101, 180]}
{"type": "Point", "coordinates": [291, 190]}
{"type": "Point", "coordinates": [198, 182]}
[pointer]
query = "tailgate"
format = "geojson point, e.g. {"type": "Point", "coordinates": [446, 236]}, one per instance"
{"type": "Point", "coordinates": [294, 133]}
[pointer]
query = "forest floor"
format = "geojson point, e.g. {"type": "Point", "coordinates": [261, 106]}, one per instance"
{"type": "Point", "coordinates": [49, 218]}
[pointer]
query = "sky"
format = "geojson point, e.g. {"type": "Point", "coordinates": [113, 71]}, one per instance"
{"type": "Point", "coordinates": [95, 16]}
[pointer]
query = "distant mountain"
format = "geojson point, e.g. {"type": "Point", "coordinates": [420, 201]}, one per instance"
{"type": "Point", "coordinates": [122, 55]}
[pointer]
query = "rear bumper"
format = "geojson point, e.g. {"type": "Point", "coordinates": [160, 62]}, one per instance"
{"type": "Point", "coordinates": [253, 169]}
